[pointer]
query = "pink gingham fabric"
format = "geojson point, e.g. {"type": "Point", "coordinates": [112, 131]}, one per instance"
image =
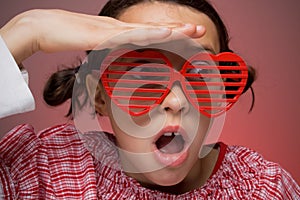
{"type": "Point", "coordinates": [61, 163]}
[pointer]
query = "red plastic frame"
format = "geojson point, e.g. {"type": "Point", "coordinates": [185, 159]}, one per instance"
{"type": "Point", "coordinates": [210, 102]}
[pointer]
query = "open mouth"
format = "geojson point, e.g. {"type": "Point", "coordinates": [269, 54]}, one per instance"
{"type": "Point", "coordinates": [170, 143]}
{"type": "Point", "coordinates": [171, 147]}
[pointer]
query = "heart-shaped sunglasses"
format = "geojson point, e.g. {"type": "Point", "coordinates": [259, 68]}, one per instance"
{"type": "Point", "coordinates": [138, 81]}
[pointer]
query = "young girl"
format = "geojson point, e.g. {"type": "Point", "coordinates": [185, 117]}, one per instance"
{"type": "Point", "coordinates": [154, 151]}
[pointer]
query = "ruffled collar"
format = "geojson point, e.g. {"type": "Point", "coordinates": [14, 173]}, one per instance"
{"type": "Point", "coordinates": [113, 183]}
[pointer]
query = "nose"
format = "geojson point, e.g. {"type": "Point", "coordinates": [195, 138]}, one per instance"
{"type": "Point", "coordinates": [175, 102]}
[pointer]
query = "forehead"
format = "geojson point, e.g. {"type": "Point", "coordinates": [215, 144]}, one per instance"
{"type": "Point", "coordinates": [171, 13]}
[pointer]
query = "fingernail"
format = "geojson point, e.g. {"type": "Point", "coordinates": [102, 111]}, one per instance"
{"type": "Point", "coordinates": [200, 27]}
{"type": "Point", "coordinates": [188, 25]}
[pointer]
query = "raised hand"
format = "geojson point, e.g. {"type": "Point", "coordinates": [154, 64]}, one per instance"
{"type": "Point", "coordinates": [59, 30]}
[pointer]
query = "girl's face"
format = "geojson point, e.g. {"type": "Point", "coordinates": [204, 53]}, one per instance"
{"type": "Point", "coordinates": [143, 143]}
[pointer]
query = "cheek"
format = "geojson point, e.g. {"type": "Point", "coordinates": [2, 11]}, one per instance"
{"type": "Point", "coordinates": [125, 139]}
{"type": "Point", "coordinates": [200, 132]}
{"type": "Point", "coordinates": [131, 144]}
{"type": "Point", "coordinates": [203, 130]}
{"type": "Point", "coordinates": [205, 123]}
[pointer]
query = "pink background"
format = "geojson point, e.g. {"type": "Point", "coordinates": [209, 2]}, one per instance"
{"type": "Point", "coordinates": [265, 33]}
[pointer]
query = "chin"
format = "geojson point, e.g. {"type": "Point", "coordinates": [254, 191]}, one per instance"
{"type": "Point", "coordinates": [166, 177]}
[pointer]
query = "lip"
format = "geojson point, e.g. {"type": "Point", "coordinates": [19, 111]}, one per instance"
{"type": "Point", "coordinates": [176, 159]}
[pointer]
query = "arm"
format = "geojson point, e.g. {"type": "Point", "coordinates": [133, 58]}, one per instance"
{"type": "Point", "coordinates": [58, 30]}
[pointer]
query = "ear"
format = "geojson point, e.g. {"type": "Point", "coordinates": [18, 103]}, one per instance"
{"type": "Point", "coordinates": [96, 94]}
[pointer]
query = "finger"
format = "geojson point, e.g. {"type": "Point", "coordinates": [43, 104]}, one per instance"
{"type": "Point", "coordinates": [191, 30]}
{"type": "Point", "coordinates": [147, 36]}
{"type": "Point", "coordinates": [187, 32]}
{"type": "Point", "coordinates": [155, 25]}
{"type": "Point", "coordinates": [140, 36]}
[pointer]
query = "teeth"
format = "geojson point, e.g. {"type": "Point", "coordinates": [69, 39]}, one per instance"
{"type": "Point", "coordinates": [168, 134]}
{"type": "Point", "coordinates": [171, 134]}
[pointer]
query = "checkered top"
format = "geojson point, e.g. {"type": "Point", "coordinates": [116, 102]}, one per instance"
{"type": "Point", "coordinates": [61, 163]}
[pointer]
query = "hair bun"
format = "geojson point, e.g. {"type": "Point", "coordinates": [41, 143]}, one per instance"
{"type": "Point", "coordinates": [59, 86]}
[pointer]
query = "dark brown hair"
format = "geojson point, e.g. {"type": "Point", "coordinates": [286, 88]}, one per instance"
{"type": "Point", "coordinates": [59, 87]}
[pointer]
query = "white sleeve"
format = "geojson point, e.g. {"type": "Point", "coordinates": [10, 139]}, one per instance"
{"type": "Point", "coordinates": [15, 94]}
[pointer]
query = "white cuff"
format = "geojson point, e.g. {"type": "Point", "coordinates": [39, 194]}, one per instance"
{"type": "Point", "coordinates": [15, 94]}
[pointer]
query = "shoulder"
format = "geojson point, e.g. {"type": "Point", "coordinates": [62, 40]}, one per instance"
{"type": "Point", "coordinates": [239, 157]}
{"type": "Point", "coordinates": [24, 136]}
{"type": "Point", "coordinates": [27, 129]}
{"type": "Point", "coordinates": [19, 141]}
{"type": "Point", "coordinates": [54, 158]}
{"type": "Point", "coordinates": [247, 170]}
{"type": "Point", "coordinates": [23, 144]}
